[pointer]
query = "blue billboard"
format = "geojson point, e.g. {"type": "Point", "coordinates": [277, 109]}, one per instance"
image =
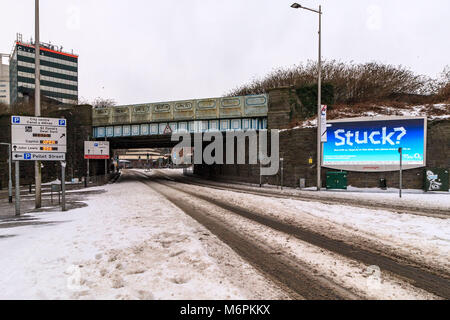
{"type": "Point", "coordinates": [371, 144]}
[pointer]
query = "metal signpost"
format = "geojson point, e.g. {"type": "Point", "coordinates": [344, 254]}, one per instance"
{"type": "Point", "coordinates": [106, 166]}
{"type": "Point", "coordinates": [400, 150]}
{"type": "Point", "coordinates": [17, 189]}
{"type": "Point", "coordinates": [323, 139]}
{"type": "Point", "coordinates": [37, 139]}
{"type": "Point", "coordinates": [282, 171]}
{"type": "Point", "coordinates": [260, 175]}
{"type": "Point", "coordinates": [63, 185]}
{"type": "Point", "coordinates": [86, 182]}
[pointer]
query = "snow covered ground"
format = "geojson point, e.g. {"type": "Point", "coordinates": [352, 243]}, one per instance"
{"type": "Point", "coordinates": [128, 243]}
{"type": "Point", "coordinates": [346, 272]}
{"type": "Point", "coordinates": [438, 111]}
{"type": "Point", "coordinates": [423, 238]}
{"type": "Point", "coordinates": [410, 197]}
{"type": "Point", "coordinates": [131, 243]}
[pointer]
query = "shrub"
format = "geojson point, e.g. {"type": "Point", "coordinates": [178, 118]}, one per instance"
{"type": "Point", "coordinates": [351, 82]}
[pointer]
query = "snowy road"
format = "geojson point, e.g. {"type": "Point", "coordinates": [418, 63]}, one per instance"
{"type": "Point", "coordinates": [293, 232]}
{"type": "Point", "coordinates": [160, 235]}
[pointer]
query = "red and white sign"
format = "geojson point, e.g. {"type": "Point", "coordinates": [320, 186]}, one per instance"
{"type": "Point", "coordinates": [323, 123]}
{"type": "Point", "coordinates": [168, 129]}
{"type": "Point", "coordinates": [96, 149]}
{"type": "Point", "coordinates": [93, 157]}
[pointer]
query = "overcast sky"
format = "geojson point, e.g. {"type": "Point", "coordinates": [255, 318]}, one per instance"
{"type": "Point", "coordinates": [139, 51]}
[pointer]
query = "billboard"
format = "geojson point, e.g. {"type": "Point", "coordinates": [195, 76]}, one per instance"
{"type": "Point", "coordinates": [371, 144]}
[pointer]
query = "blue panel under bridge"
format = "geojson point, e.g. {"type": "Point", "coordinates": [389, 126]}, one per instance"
{"type": "Point", "coordinates": [215, 114]}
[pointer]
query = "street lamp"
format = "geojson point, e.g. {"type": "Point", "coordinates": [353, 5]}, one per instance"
{"type": "Point", "coordinates": [37, 101]}
{"type": "Point", "coordinates": [319, 94]}
{"type": "Point", "coordinates": [9, 166]}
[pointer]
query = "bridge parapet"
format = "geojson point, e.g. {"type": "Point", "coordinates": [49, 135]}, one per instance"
{"type": "Point", "coordinates": [253, 106]}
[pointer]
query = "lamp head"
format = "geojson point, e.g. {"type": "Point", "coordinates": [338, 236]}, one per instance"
{"type": "Point", "coordinates": [295, 5]}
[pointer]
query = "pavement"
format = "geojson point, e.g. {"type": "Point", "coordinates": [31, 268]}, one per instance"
{"type": "Point", "coordinates": [74, 199]}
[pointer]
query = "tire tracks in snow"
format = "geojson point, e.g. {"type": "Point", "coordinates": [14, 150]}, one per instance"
{"type": "Point", "coordinates": [295, 279]}
{"type": "Point", "coordinates": [432, 212]}
{"type": "Point", "coordinates": [406, 270]}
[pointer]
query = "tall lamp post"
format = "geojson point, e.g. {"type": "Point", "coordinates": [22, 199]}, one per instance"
{"type": "Point", "coordinates": [37, 101]}
{"type": "Point", "coordinates": [319, 95]}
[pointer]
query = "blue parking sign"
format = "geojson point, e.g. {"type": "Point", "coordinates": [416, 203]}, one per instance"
{"type": "Point", "coordinates": [62, 122]}
{"type": "Point", "coordinates": [27, 156]}
{"type": "Point", "coordinates": [16, 119]}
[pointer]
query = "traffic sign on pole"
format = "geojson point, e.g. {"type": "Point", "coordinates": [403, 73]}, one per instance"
{"type": "Point", "coordinates": [38, 156]}
{"type": "Point", "coordinates": [38, 121]}
{"type": "Point", "coordinates": [96, 149]}
{"type": "Point", "coordinates": [323, 123]}
{"type": "Point", "coordinates": [38, 139]}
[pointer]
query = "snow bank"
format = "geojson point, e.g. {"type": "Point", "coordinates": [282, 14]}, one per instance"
{"type": "Point", "coordinates": [438, 111]}
{"type": "Point", "coordinates": [410, 197]}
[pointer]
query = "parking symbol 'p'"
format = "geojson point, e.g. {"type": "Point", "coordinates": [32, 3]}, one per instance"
{"type": "Point", "coordinates": [62, 122]}
{"type": "Point", "coordinates": [27, 156]}
{"type": "Point", "coordinates": [16, 119]}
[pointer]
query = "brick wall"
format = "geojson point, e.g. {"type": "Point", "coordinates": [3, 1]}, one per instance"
{"type": "Point", "coordinates": [281, 108]}
{"type": "Point", "coordinates": [298, 145]}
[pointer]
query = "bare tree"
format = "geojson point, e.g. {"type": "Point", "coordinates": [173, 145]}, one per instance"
{"type": "Point", "coordinates": [83, 101]}
{"type": "Point", "coordinates": [444, 84]}
{"type": "Point", "coordinates": [103, 102]}
{"type": "Point", "coordinates": [352, 82]}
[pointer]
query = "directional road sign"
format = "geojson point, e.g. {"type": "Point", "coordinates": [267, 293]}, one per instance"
{"type": "Point", "coordinates": [36, 138]}
{"type": "Point", "coordinates": [21, 156]}
{"type": "Point", "coordinates": [96, 149]}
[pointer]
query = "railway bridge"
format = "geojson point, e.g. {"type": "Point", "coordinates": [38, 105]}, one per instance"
{"type": "Point", "coordinates": [149, 124]}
